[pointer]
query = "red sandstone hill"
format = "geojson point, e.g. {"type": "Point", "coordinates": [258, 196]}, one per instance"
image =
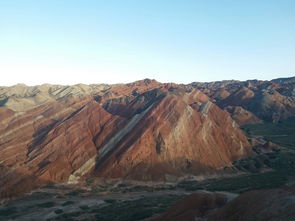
{"type": "Point", "coordinates": [271, 204]}
{"type": "Point", "coordinates": [143, 131]}
{"type": "Point", "coordinates": [193, 207]}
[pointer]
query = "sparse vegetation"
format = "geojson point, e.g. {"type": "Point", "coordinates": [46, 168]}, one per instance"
{"type": "Point", "coordinates": [46, 204]}
{"type": "Point", "coordinates": [136, 209]}
{"type": "Point", "coordinates": [50, 186]}
{"type": "Point", "coordinates": [37, 196]}
{"type": "Point", "coordinates": [84, 207]}
{"type": "Point", "coordinates": [111, 201]}
{"type": "Point", "coordinates": [89, 181]}
{"type": "Point", "coordinates": [8, 211]}
{"type": "Point", "coordinates": [117, 210]}
{"type": "Point", "coordinates": [76, 192]}
{"type": "Point", "coordinates": [238, 184]}
{"type": "Point", "coordinates": [98, 188]}
{"type": "Point", "coordinates": [3, 101]}
{"type": "Point", "coordinates": [67, 203]}
{"type": "Point", "coordinates": [281, 133]}
{"type": "Point", "coordinates": [58, 211]}
{"type": "Point", "coordinates": [249, 182]}
{"type": "Point", "coordinates": [124, 188]}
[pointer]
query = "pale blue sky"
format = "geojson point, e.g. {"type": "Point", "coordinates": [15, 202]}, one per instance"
{"type": "Point", "coordinates": [84, 41]}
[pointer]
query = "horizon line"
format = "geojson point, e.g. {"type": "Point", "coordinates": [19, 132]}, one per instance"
{"type": "Point", "coordinates": [120, 83]}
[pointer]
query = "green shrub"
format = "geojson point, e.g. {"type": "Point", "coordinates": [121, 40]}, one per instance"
{"type": "Point", "coordinates": [46, 204]}
{"type": "Point", "coordinates": [110, 200]}
{"type": "Point", "coordinates": [76, 192]}
{"type": "Point", "coordinates": [58, 211]}
{"type": "Point", "coordinates": [8, 211]}
{"type": "Point", "coordinates": [84, 207]}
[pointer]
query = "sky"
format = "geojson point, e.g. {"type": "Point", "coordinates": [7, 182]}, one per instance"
{"type": "Point", "coordinates": [181, 41]}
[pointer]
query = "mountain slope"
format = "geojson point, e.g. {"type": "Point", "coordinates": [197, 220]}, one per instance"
{"type": "Point", "coordinates": [144, 130]}
{"type": "Point", "coordinates": [264, 100]}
